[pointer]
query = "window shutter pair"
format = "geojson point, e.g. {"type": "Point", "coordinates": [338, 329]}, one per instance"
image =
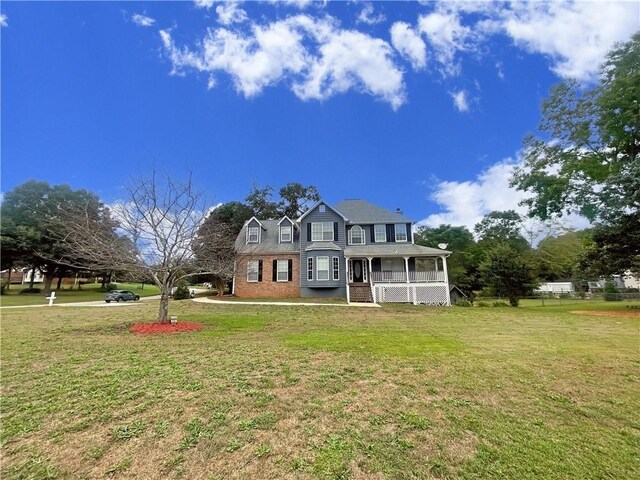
{"type": "Point", "coordinates": [259, 270]}
{"type": "Point", "coordinates": [274, 271]}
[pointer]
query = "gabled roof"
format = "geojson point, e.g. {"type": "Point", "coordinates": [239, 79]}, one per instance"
{"type": "Point", "coordinates": [254, 218]}
{"type": "Point", "coordinates": [286, 218]}
{"type": "Point", "coordinates": [327, 205]}
{"type": "Point", "coordinates": [361, 211]}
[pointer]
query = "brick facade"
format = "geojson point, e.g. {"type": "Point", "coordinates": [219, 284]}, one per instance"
{"type": "Point", "coordinates": [267, 288]}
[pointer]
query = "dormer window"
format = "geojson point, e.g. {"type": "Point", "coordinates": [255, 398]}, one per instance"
{"type": "Point", "coordinates": [356, 235]}
{"type": "Point", "coordinates": [285, 233]}
{"type": "Point", "coordinates": [322, 209]}
{"type": "Point", "coordinates": [253, 234]}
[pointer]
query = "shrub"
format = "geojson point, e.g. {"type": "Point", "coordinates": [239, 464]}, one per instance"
{"type": "Point", "coordinates": [182, 292]}
{"type": "Point", "coordinates": [463, 302]}
{"type": "Point", "coordinates": [499, 304]}
{"type": "Point", "coordinates": [3, 288]}
{"type": "Point", "coordinates": [610, 292]}
{"type": "Point", "coordinates": [482, 304]}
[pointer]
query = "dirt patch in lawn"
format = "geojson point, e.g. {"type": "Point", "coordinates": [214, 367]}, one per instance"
{"type": "Point", "coordinates": [608, 313]}
{"type": "Point", "coordinates": [152, 328]}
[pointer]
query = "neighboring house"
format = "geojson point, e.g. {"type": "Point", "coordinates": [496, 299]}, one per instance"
{"type": "Point", "coordinates": [630, 280]}
{"type": "Point", "coordinates": [598, 285]}
{"type": "Point", "coordinates": [355, 250]}
{"type": "Point", "coordinates": [556, 287]}
{"type": "Point", "coordinates": [456, 294]}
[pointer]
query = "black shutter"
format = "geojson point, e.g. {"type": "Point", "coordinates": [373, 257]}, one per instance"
{"type": "Point", "coordinates": [373, 234]}
{"type": "Point", "coordinates": [391, 233]}
{"type": "Point", "coordinates": [309, 232]}
{"type": "Point", "coordinates": [274, 273]}
{"type": "Point", "coordinates": [335, 231]}
{"type": "Point", "coordinates": [259, 270]}
{"type": "Point", "coordinates": [409, 232]}
{"type": "Point", "coordinates": [290, 269]}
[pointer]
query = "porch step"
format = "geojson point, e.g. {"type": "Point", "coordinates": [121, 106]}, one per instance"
{"type": "Point", "coordinates": [360, 293]}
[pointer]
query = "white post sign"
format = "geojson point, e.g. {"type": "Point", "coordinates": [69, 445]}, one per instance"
{"type": "Point", "coordinates": [51, 298]}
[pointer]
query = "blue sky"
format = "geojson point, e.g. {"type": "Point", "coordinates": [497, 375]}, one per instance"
{"type": "Point", "coordinates": [415, 105]}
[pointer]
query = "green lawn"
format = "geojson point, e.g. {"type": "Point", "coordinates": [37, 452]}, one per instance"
{"type": "Point", "coordinates": [88, 293]}
{"type": "Point", "coordinates": [319, 392]}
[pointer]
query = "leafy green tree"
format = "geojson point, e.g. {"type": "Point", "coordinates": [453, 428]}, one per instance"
{"type": "Point", "coordinates": [260, 201]}
{"type": "Point", "coordinates": [502, 227]}
{"type": "Point", "coordinates": [295, 199]}
{"type": "Point", "coordinates": [232, 215]}
{"type": "Point", "coordinates": [507, 273]}
{"type": "Point", "coordinates": [557, 258]}
{"type": "Point", "coordinates": [588, 159]}
{"type": "Point", "coordinates": [35, 230]}
{"type": "Point", "coordinates": [462, 264]}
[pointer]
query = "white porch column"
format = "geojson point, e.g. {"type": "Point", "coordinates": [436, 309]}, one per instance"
{"type": "Point", "coordinates": [446, 279]}
{"type": "Point", "coordinates": [346, 277]}
{"type": "Point", "coordinates": [406, 268]}
{"type": "Point", "coordinates": [373, 290]}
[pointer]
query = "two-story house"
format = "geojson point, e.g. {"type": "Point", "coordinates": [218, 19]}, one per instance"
{"type": "Point", "coordinates": [355, 250]}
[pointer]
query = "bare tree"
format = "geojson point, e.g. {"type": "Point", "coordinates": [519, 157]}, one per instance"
{"type": "Point", "coordinates": [156, 233]}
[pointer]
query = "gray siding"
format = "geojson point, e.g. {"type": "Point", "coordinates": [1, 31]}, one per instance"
{"type": "Point", "coordinates": [328, 288]}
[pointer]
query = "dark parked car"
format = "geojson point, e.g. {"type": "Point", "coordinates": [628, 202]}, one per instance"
{"type": "Point", "coordinates": [117, 295]}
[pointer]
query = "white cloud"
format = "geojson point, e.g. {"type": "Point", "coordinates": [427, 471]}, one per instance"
{"type": "Point", "coordinates": [446, 36]}
{"type": "Point", "coordinates": [142, 20]}
{"type": "Point", "coordinates": [368, 17]}
{"type": "Point", "coordinates": [330, 61]}
{"type": "Point", "coordinates": [229, 13]}
{"type": "Point", "coordinates": [465, 203]}
{"type": "Point", "coordinates": [460, 100]}
{"type": "Point", "coordinates": [204, 3]}
{"type": "Point", "coordinates": [575, 35]}
{"type": "Point", "coordinates": [409, 44]}
{"type": "Point", "coordinates": [4, 20]}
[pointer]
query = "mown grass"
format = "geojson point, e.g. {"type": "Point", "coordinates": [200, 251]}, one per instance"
{"type": "Point", "coordinates": [87, 293]}
{"type": "Point", "coordinates": [321, 392]}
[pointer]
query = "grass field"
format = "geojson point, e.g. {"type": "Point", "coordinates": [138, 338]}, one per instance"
{"type": "Point", "coordinates": [88, 293]}
{"type": "Point", "coordinates": [322, 392]}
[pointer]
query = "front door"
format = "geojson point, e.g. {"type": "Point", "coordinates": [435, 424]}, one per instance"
{"type": "Point", "coordinates": [358, 271]}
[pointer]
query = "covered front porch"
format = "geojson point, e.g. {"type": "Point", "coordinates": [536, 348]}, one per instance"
{"type": "Point", "coordinates": [388, 277]}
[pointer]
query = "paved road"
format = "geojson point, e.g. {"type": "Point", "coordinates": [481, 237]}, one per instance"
{"type": "Point", "coordinates": [96, 303]}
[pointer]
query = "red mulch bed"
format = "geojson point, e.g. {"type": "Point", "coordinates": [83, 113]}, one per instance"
{"type": "Point", "coordinates": [150, 328]}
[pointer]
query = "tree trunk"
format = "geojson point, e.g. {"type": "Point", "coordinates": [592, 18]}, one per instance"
{"type": "Point", "coordinates": [48, 279]}
{"type": "Point", "coordinates": [9, 276]}
{"type": "Point", "coordinates": [104, 281]}
{"type": "Point", "coordinates": [220, 285]}
{"type": "Point", "coordinates": [163, 312]}
{"type": "Point", "coordinates": [33, 277]}
{"type": "Point", "coordinates": [59, 284]}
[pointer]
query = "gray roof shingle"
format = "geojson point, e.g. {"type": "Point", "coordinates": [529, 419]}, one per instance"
{"type": "Point", "coordinates": [270, 240]}
{"type": "Point", "coordinates": [361, 211]}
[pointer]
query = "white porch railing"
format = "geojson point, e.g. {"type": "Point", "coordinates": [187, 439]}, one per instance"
{"type": "Point", "coordinates": [414, 277]}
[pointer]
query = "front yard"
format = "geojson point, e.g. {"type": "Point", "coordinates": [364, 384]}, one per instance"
{"type": "Point", "coordinates": [322, 392]}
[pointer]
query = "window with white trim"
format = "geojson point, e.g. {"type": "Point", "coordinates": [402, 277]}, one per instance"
{"type": "Point", "coordinates": [401, 232]}
{"type": "Point", "coordinates": [253, 234]}
{"type": "Point", "coordinates": [322, 231]}
{"type": "Point", "coordinates": [283, 271]}
{"type": "Point", "coordinates": [336, 268]}
{"type": "Point", "coordinates": [380, 232]}
{"type": "Point", "coordinates": [356, 235]}
{"type": "Point", "coordinates": [322, 268]}
{"type": "Point", "coordinates": [310, 268]}
{"type": "Point", "coordinates": [285, 233]}
{"type": "Point", "coordinates": [252, 270]}
{"type": "Point", "coordinates": [322, 209]}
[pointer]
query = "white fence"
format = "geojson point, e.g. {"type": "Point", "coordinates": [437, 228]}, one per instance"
{"type": "Point", "coordinates": [408, 293]}
{"type": "Point", "coordinates": [414, 277]}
